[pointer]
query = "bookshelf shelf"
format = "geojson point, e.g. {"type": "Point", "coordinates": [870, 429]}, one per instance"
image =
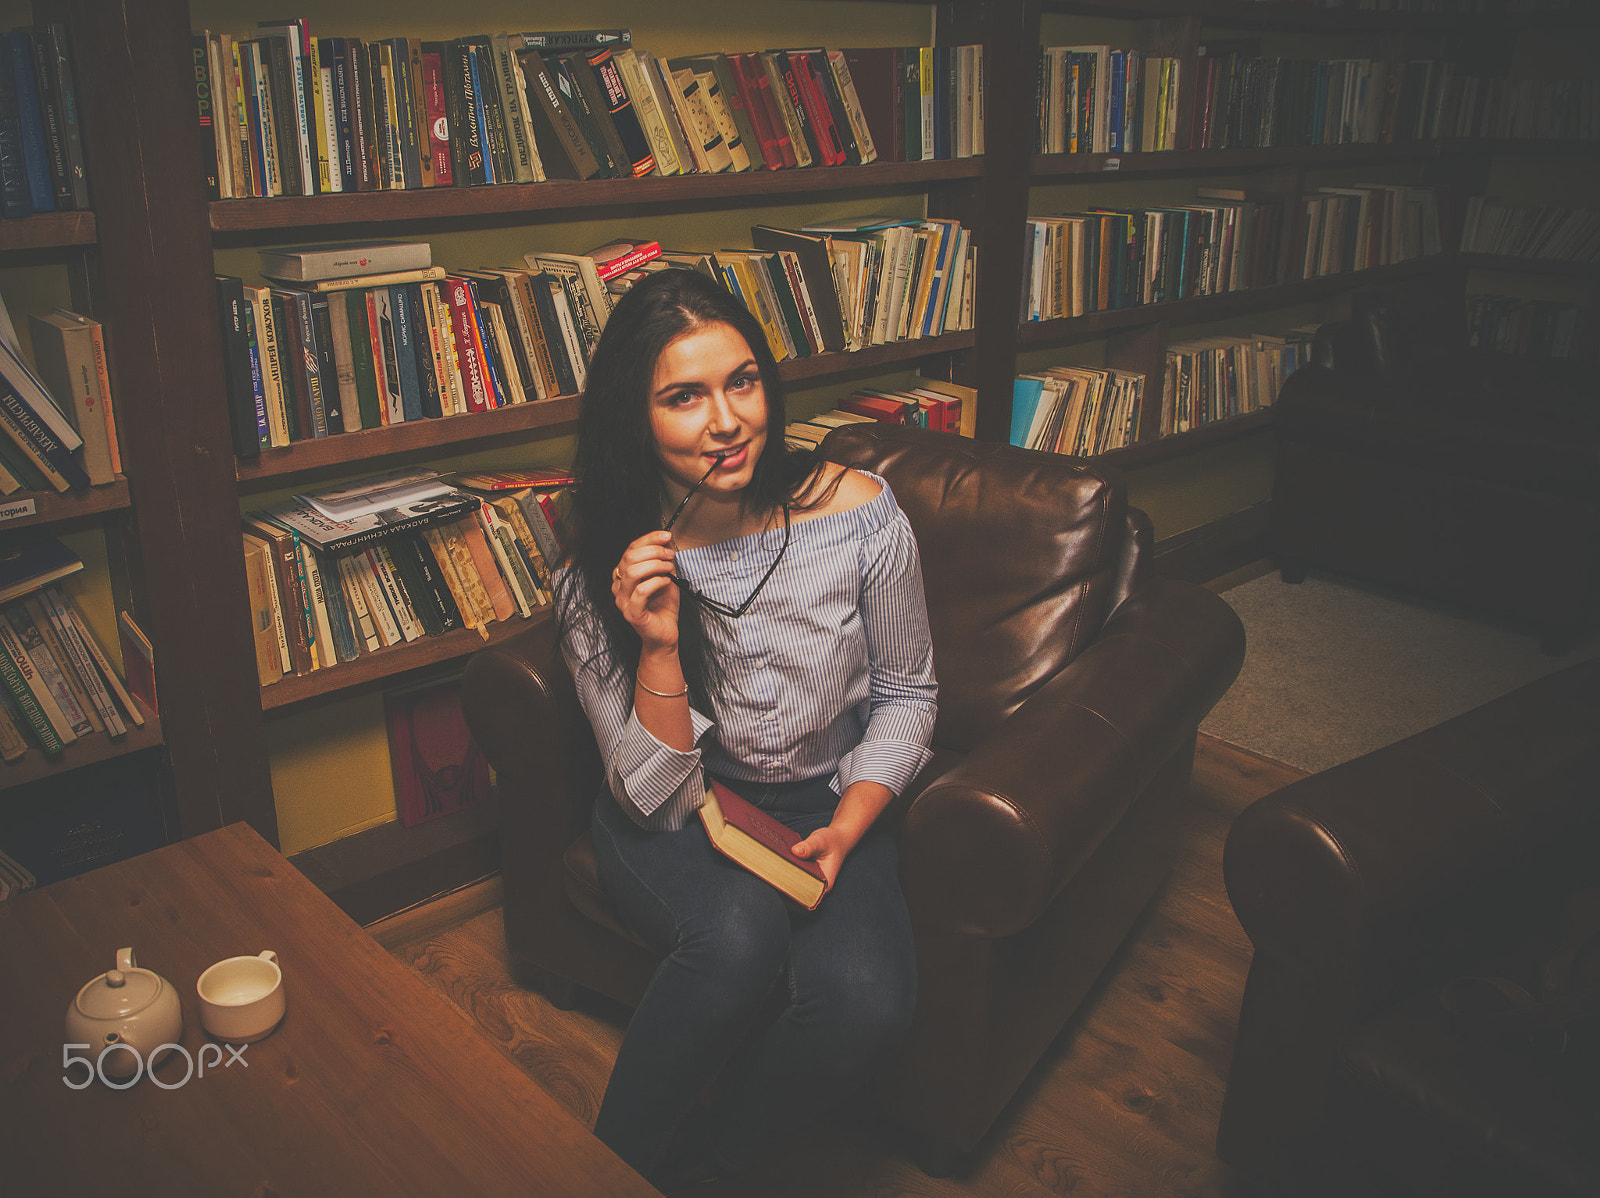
{"type": "Point", "coordinates": [48, 230]}
{"type": "Point", "coordinates": [1219, 307]}
{"type": "Point", "coordinates": [1550, 267]}
{"type": "Point", "coordinates": [827, 365]}
{"type": "Point", "coordinates": [558, 195]}
{"type": "Point", "coordinates": [385, 664]}
{"type": "Point", "coordinates": [1047, 167]}
{"type": "Point", "coordinates": [34, 764]}
{"type": "Point", "coordinates": [376, 443]}
{"type": "Point", "coordinates": [1283, 14]}
{"type": "Point", "coordinates": [53, 508]}
{"type": "Point", "coordinates": [1181, 445]}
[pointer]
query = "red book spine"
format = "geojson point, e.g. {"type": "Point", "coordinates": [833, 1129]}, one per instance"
{"type": "Point", "coordinates": [438, 120]}
{"type": "Point", "coordinates": [629, 261]}
{"type": "Point", "coordinates": [886, 410]}
{"type": "Point", "coordinates": [480, 393]}
{"type": "Point", "coordinates": [829, 143]}
{"type": "Point", "coordinates": [375, 329]}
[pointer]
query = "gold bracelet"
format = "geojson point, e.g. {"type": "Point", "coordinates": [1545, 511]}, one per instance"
{"type": "Point", "coordinates": [658, 694]}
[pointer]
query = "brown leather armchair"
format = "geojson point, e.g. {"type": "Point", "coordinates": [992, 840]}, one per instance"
{"type": "Point", "coordinates": [1379, 894]}
{"type": "Point", "coordinates": [1071, 683]}
{"type": "Point", "coordinates": [1457, 474]}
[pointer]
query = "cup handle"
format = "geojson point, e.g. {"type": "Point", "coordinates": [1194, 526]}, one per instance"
{"type": "Point", "coordinates": [268, 955]}
{"type": "Point", "coordinates": [125, 960]}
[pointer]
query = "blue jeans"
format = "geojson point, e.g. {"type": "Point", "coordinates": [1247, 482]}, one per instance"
{"type": "Point", "coordinates": [728, 937]}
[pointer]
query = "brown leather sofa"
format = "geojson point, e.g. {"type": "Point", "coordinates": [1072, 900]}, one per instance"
{"type": "Point", "coordinates": [1460, 475]}
{"type": "Point", "coordinates": [1372, 1056]}
{"type": "Point", "coordinates": [1071, 683]}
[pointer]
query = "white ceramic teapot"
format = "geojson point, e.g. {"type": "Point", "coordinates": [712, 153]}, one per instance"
{"type": "Point", "coordinates": [130, 1007]}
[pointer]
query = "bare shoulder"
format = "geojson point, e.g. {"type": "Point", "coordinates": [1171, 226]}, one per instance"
{"type": "Point", "coordinates": [839, 489]}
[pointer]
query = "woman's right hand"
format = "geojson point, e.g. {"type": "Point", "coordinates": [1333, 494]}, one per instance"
{"type": "Point", "coordinates": [642, 584]}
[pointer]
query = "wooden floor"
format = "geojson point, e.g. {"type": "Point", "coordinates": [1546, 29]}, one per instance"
{"type": "Point", "coordinates": [1125, 1103]}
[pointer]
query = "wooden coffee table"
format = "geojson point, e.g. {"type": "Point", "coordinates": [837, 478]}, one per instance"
{"type": "Point", "coordinates": [372, 1084]}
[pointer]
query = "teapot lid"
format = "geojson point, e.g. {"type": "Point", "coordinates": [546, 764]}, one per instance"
{"type": "Point", "coordinates": [119, 992]}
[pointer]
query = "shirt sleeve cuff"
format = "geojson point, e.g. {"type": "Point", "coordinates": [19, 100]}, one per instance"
{"type": "Point", "coordinates": [891, 763]}
{"type": "Point", "coordinates": [646, 773]}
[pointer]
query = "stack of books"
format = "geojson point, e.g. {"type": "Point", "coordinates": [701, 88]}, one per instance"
{"type": "Point", "coordinates": [1076, 410]}
{"type": "Point", "coordinates": [284, 113]}
{"type": "Point", "coordinates": [41, 141]}
{"type": "Point", "coordinates": [390, 559]}
{"type": "Point", "coordinates": [1080, 262]}
{"type": "Point", "coordinates": [57, 421]}
{"type": "Point", "coordinates": [932, 404]}
{"type": "Point", "coordinates": [57, 685]}
{"type": "Point", "coordinates": [1215, 378]}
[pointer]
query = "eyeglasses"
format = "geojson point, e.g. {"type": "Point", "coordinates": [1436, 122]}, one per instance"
{"type": "Point", "coordinates": [733, 613]}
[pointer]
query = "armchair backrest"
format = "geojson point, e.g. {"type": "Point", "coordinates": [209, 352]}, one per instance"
{"type": "Point", "coordinates": [1024, 556]}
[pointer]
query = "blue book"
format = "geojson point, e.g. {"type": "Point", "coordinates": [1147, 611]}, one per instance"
{"type": "Point", "coordinates": [1025, 395]}
{"type": "Point", "coordinates": [480, 72]}
{"type": "Point", "coordinates": [35, 154]}
{"type": "Point", "coordinates": [405, 353]}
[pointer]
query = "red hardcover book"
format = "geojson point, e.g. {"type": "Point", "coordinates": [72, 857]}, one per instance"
{"type": "Point", "coordinates": [438, 768]}
{"type": "Point", "coordinates": [753, 77]}
{"type": "Point", "coordinates": [878, 407]}
{"type": "Point", "coordinates": [756, 110]}
{"type": "Point", "coordinates": [750, 837]}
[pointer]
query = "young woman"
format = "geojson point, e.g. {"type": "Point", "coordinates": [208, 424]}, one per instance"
{"type": "Point", "coordinates": [775, 638]}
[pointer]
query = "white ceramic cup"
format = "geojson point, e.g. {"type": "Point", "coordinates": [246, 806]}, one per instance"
{"type": "Point", "coordinates": [241, 998]}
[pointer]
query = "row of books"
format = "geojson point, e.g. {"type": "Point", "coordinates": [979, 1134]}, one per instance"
{"type": "Point", "coordinates": [1081, 262]}
{"type": "Point", "coordinates": [934, 404]}
{"type": "Point", "coordinates": [1548, 231]}
{"type": "Point", "coordinates": [317, 358]}
{"type": "Point", "coordinates": [1533, 328]}
{"type": "Point", "coordinates": [1097, 100]}
{"type": "Point", "coordinates": [1214, 378]}
{"type": "Point", "coordinates": [1242, 99]}
{"type": "Point", "coordinates": [58, 684]}
{"type": "Point", "coordinates": [1379, 224]}
{"type": "Point", "coordinates": [41, 140]}
{"type": "Point", "coordinates": [1076, 410]}
{"type": "Point", "coordinates": [325, 590]}
{"type": "Point", "coordinates": [286, 113]}
{"type": "Point", "coordinates": [58, 428]}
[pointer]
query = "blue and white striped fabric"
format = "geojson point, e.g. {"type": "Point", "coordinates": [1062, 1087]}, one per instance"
{"type": "Point", "coordinates": [831, 670]}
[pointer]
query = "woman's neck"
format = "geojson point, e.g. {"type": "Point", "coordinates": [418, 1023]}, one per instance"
{"type": "Point", "coordinates": [710, 519]}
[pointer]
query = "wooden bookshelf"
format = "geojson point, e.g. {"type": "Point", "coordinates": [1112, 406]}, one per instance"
{"type": "Point", "coordinates": [154, 244]}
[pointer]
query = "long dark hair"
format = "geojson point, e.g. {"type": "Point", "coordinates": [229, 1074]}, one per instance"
{"type": "Point", "coordinates": [621, 492]}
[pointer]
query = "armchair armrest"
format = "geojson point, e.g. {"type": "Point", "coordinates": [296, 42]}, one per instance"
{"type": "Point", "coordinates": [1381, 869]}
{"type": "Point", "coordinates": [519, 704]}
{"type": "Point", "coordinates": [987, 846]}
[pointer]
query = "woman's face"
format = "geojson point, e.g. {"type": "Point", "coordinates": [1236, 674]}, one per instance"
{"type": "Point", "coordinates": [707, 402]}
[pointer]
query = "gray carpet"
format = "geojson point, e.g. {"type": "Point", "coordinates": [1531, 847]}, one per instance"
{"type": "Point", "coordinates": [1334, 669]}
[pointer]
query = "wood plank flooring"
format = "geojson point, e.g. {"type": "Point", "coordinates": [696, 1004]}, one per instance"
{"type": "Point", "coordinates": [1125, 1105]}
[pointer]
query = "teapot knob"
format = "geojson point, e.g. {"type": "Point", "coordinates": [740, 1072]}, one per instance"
{"type": "Point", "coordinates": [116, 978]}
